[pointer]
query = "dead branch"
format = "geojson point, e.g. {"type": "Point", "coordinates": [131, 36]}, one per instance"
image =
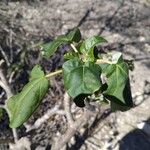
{"type": "Point", "coordinates": [5, 87]}
{"type": "Point", "coordinates": [44, 118]}
{"type": "Point", "coordinates": [4, 84]}
{"type": "Point", "coordinates": [64, 139]}
{"type": "Point", "coordinates": [67, 107]}
{"type": "Point", "coordinates": [4, 55]}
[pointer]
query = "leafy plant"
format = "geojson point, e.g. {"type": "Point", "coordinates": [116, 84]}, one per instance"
{"type": "Point", "coordinates": [83, 76]}
{"type": "Point", "coordinates": [22, 105]}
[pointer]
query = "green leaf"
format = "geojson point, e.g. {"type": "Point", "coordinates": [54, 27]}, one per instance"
{"type": "Point", "coordinates": [50, 48]}
{"type": "Point", "coordinates": [22, 105]}
{"type": "Point", "coordinates": [87, 47]}
{"type": "Point", "coordinates": [80, 78]}
{"type": "Point", "coordinates": [93, 41]}
{"type": "Point", "coordinates": [118, 90]}
{"type": "Point", "coordinates": [70, 55]}
{"type": "Point", "coordinates": [36, 73]}
{"type": "Point", "coordinates": [116, 106]}
{"type": "Point", "coordinates": [74, 35]}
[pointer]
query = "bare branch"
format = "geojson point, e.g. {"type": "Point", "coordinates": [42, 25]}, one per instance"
{"type": "Point", "coordinates": [1, 62]}
{"type": "Point", "coordinates": [44, 118]}
{"type": "Point", "coordinates": [67, 107]}
{"type": "Point", "coordinates": [72, 130]}
{"type": "Point", "coordinates": [15, 135]}
{"type": "Point", "coordinates": [4, 84]}
{"type": "Point", "coordinates": [11, 76]}
{"type": "Point", "coordinates": [5, 87]}
{"type": "Point", "coordinates": [5, 57]}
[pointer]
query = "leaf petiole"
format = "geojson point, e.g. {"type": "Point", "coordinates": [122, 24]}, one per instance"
{"type": "Point", "coordinates": [74, 48]}
{"type": "Point", "coordinates": [102, 61]}
{"type": "Point", "coordinates": [53, 73]}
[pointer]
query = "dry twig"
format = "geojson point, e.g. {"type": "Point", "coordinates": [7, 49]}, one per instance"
{"type": "Point", "coordinates": [44, 118]}
{"type": "Point", "coordinates": [5, 56]}
{"type": "Point", "coordinates": [67, 107]}
{"type": "Point", "coordinates": [4, 84]}
{"type": "Point", "coordinates": [64, 139]}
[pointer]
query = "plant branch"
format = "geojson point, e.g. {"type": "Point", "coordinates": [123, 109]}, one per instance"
{"type": "Point", "coordinates": [44, 118]}
{"type": "Point", "coordinates": [102, 61]}
{"type": "Point", "coordinates": [6, 88]}
{"type": "Point", "coordinates": [15, 135]}
{"type": "Point", "coordinates": [53, 73]}
{"type": "Point", "coordinates": [74, 48]}
{"type": "Point", "coordinates": [64, 139]}
{"type": "Point", "coordinates": [4, 55]}
{"type": "Point", "coordinates": [4, 84]}
{"type": "Point", "coordinates": [1, 62]}
{"type": "Point", "coordinates": [67, 107]}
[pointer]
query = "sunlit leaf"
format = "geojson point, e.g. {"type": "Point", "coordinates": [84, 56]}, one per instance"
{"type": "Point", "coordinates": [87, 47]}
{"type": "Point", "coordinates": [93, 41]}
{"type": "Point", "coordinates": [81, 78]}
{"type": "Point", "coordinates": [70, 55]}
{"type": "Point", "coordinates": [22, 105]}
{"type": "Point", "coordinates": [74, 35]}
{"type": "Point", "coordinates": [50, 48]}
{"type": "Point", "coordinates": [118, 90]}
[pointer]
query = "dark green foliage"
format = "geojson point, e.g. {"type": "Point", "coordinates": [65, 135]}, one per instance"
{"type": "Point", "coordinates": [118, 90]}
{"type": "Point", "coordinates": [83, 78]}
{"type": "Point", "coordinates": [50, 48]}
{"type": "Point", "coordinates": [87, 47]}
{"type": "Point", "coordinates": [22, 105]}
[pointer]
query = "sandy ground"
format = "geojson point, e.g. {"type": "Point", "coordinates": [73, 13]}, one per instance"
{"type": "Point", "coordinates": [126, 26]}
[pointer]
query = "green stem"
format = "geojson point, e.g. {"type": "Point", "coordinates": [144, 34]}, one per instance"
{"type": "Point", "coordinates": [53, 73]}
{"type": "Point", "coordinates": [74, 48]}
{"type": "Point", "coordinates": [102, 61]}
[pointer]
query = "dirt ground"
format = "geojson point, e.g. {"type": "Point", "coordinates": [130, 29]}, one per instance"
{"type": "Point", "coordinates": [126, 26]}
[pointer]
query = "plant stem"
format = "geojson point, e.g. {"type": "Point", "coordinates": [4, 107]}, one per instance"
{"type": "Point", "coordinates": [74, 48]}
{"type": "Point", "coordinates": [16, 138]}
{"type": "Point", "coordinates": [67, 107]}
{"type": "Point", "coordinates": [102, 61]}
{"type": "Point", "coordinates": [53, 73]}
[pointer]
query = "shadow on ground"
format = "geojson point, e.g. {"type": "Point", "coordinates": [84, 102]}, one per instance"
{"type": "Point", "coordinates": [136, 140]}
